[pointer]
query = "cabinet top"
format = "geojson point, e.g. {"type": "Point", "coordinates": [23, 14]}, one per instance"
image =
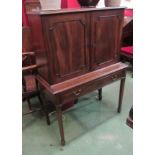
{"type": "Point", "coordinates": [64, 11]}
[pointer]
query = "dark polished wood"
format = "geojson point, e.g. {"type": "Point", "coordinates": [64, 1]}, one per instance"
{"type": "Point", "coordinates": [121, 94]}
{"type": "Point", "coordinates": [73, 42]}
{"type": "Point", "coordinates": [80, 52]}
{"type": "Point", "coordinates": [74, 10]}
{"type": "Point", "coordinates": [111, 73]}
{"type": "Point", "coordinates": [44, 108]}
{"type": "Point", "coordinates": [106, 37]}
{"type": "Point", "coordinates": [100, 94]}
{"type": "Point", "coordinates": [69, 55]}
{"type": "Point", "coordinates": [60, 123]}
{"type": "Point", "coordinates": [26, 39]}
{"type": "Point", "coordinates": [129, 120]}
{"type": "Point", "coordinates": [30, 86]}
{"type": "Point", "coordinates": [81, 85]}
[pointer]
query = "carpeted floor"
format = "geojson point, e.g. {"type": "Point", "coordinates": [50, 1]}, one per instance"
{"type": "Point", "coordinates": [92, 127]}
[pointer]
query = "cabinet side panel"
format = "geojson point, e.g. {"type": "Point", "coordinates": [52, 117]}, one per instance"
{"type": "Point", "coordinates": [38, 45]}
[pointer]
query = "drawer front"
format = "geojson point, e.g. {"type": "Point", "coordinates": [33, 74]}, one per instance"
{"type": "Point", "coordinates": [91, 86]}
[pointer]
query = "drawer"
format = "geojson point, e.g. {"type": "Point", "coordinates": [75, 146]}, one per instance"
{"type": "Point", "coordinates": [91, 86]}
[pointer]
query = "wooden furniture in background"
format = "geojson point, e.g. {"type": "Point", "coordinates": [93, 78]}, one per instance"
{"type": "Point", "coordinates": [79, 52]}
{"type": "Point", "coordinates": [29, 70]}
{"type": "Point", "coordinates": [26, 39]}
{"type": "Point", "coordinates": [30, 86]}
{"type": "Point", "coordinates": [129, 120]}
{"type": "Point", "coordinates": [27, 59]}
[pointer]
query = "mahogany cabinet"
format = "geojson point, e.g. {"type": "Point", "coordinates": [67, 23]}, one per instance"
{"type": "Point", "coordinates": [78, 52]}
{"type": "Point", "coordinates": [73, 43]}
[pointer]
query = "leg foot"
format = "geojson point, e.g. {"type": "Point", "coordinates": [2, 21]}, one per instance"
{"type": "Point", "coordinates": [60, 123]}
{"type": "Point", "coordinates": [62, 143]}
{"type": "Point", "coordinates": [44, 110]}
{"type": "Point", "coordinates": [29, 104]}
{"type": "Point", "coordinates": [121, 92]}
{"type": "Point", "coordinates": [100, 94]}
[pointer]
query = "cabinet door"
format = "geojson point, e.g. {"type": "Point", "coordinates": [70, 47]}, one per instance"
{"type": "Point", "coordinates": [67, 36]}
{"type": "Point", "coordinates": [106, 30]}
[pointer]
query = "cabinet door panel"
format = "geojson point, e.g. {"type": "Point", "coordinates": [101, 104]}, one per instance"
{"type": "Point", "coordinates": [106, 37]}
{"type": "Point", "coordinates": [67, 37]}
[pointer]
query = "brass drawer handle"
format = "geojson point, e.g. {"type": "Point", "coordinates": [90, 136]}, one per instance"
{"type": "Point", "coordinates": [115, 77]}
{"type": "Point", "coordinates": [77, 93]}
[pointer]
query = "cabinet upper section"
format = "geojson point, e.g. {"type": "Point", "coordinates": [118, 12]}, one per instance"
{"type": "Point", "coordinates": [74, 42]}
